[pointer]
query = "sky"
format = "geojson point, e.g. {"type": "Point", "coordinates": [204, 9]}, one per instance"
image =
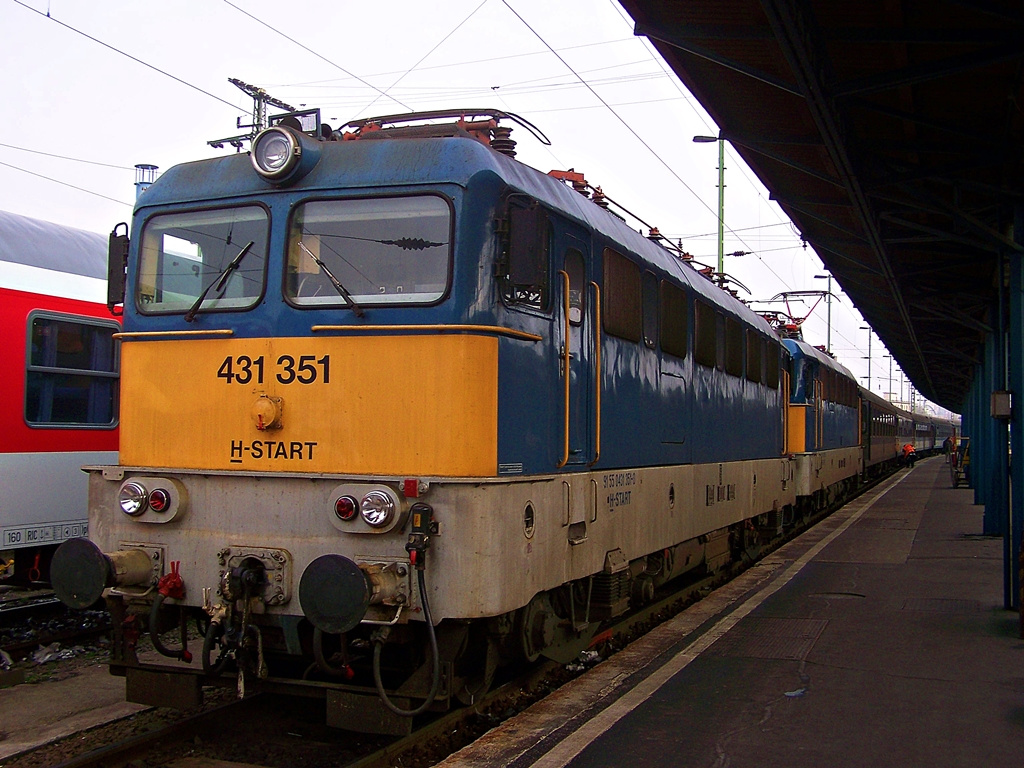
{"type": "Point", "coordinates": [94, 88]}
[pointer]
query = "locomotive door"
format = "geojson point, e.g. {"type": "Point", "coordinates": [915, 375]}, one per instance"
{"type": "Point", "coordinates": [579, 305]}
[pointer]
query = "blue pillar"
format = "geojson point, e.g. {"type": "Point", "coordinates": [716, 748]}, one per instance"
{"type": "Point", "coordinates": [1016, 379]}
{"type": "Point", "coordinates": [981, 437]}
{"type": "Point", "coordinates": [995, 478]}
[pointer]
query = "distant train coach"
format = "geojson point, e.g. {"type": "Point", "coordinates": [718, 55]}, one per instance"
{"type": "Point", "coordinates": [59, 382]}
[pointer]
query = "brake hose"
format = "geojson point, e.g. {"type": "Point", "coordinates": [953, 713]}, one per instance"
{"type": "Point", "coordinates": [435, 681]}
{"type": "Point", "coordinates": [154, 616]}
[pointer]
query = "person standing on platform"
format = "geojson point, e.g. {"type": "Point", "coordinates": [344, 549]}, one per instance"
{"type": "Point", "coordinates": [909, 455]}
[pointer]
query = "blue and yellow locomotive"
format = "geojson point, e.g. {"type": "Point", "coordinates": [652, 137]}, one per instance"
{"type": "Point", "coordinates": [397, 409]}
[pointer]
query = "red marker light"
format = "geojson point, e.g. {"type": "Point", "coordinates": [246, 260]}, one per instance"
{"type": "Point", "coordinates": [411, 488]}
{"type": "Point", "coordinates": [159, 500]}
{"type": "Point", "coordinates": [346, 508]}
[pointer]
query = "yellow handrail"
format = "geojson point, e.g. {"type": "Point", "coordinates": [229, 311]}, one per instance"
{"type": "Point", "coordinates": [163, 334]}
{"type": "Point", "coordinates": [565, 364]}
{"type": "Point", "coordinates": [597, 372]}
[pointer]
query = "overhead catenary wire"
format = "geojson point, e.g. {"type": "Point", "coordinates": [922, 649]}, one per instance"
{"type": "Point", "coordinates": [309, 50]}
{"type": "Point", "coordinates": [424, 57]}
{"type": "Point", "coordinates": [630, 128]}
{"type": "Point", "coordinates": [65, 157]}
{"type": "Point", "coordinates": [66, 184]}
{"type": "Point", "coordinates": [137, 60]}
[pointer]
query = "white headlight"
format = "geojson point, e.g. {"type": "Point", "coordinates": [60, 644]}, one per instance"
{"type": "Point", "coordinates": [132, 499]}
{"type": "Point", "coordinates": [275, 153]}
{"type": "Point", "coordinates": [377, 509]}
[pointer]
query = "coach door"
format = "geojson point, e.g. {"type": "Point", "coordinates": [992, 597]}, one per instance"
{"type": "Point", "coordinates": [579, 307]}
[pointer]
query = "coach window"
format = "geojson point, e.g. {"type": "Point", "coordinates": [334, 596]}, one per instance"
{"type": "Point", "coordinates": [185, 254]}
{"type": "Point", "coordinates": [72, 372]}
{"type": "Point", "coordinates": [733, 347]}
{"type": "Point", "coordinates": [705, 334]}
{"type": "Point", "coordinates": [622, 297]}
{"type": "Point", "coordinates": [675, 317]}
{"type": "Point", "coordinates": [381, 251]}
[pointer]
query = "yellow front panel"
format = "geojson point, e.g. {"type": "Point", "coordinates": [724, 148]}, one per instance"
{"type": "Point", "coordinates": [394, 405]}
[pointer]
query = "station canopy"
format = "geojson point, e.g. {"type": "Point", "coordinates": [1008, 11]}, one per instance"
{"type": "Point", "coordinates": [891, 134]}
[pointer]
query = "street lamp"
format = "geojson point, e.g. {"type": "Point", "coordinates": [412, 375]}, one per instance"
{"type": "Point", "coordinates": [868, 329]}
{"type": "Point", "coordinates": [828, 341]}
{"type": "Point", "coordinates": [721, 195]}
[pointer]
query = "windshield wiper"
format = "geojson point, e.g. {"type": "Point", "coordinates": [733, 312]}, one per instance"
{"type": "Point", "coordinates": [219, 281]}
{"type": "Point", "coordinates": [356, 309]}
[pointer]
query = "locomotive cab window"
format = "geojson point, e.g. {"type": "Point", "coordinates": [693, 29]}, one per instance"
{"type": "Point", "coordinates": [72, 372]}
{"type": "Point", "coordinates": [221, 252]}
{"type": "Point", "coordinates": [379, 251]}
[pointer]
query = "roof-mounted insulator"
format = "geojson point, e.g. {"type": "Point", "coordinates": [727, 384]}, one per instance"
{"type": "Point", "coordinates": [654, 235]}
{"type": "Point", "coordinates": [599, 197]}
{"type": "Point", "coordinates": [579, 183]}
{"type": "Point", "coordinates": [502, 141]}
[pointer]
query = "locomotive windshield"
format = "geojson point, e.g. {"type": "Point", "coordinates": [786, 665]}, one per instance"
{"type": "Point", "coordinates": [392, 250]}
{"type": "Point", "coordinates": [182, 253]}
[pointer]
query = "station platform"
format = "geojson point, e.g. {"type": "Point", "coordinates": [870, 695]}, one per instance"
{"type": "Point", "coordinates": [878, 638]}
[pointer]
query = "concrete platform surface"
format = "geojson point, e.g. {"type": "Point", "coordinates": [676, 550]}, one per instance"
{"type": "Point", "coordinates": [879, 638]}
{"type": "Point", "coordinates": [35, 714]}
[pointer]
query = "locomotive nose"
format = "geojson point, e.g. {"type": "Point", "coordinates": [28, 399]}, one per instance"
{"type": "Point", "coordinates": [334, 593]}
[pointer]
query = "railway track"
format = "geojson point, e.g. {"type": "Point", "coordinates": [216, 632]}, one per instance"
{"type": "Point", "coordinates": [29, 620]}
{"type": "Point", "coordinates": [266, 730]}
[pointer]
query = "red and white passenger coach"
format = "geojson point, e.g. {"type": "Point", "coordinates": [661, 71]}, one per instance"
{"type": "Point", "coordinates": [58, 387]}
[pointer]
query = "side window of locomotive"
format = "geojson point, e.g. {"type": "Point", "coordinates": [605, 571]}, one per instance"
{"type": "Point", "coordinates": [576, 269]}
{"type": "Point", "coordinates": [705, 334]}
{"type": "Point", "coordinates": [622, 306]}
{"type": "Point", "coordinates": [755, 356]}
{"type": "Point", "coordinates": [71, 374]}
{"type": "Point", "coordinates": [675, 320]}
{"type": "Point", "coordinates": [771, 368]}
{"type": "Point", "coordinates": [184, 253]}
{"type": "Point", "coordinates": [380, 251]}
{"type": "Point", "coordinates": [733, 347]}
{"type": "Point", "coordinates": [524, 273]}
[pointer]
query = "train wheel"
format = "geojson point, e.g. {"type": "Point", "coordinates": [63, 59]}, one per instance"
{"type": "Point", "coordinates": [533, 626]}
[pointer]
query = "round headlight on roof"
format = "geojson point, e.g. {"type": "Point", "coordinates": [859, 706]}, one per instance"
{"type": "Point", "coordinates": [276, 152]}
